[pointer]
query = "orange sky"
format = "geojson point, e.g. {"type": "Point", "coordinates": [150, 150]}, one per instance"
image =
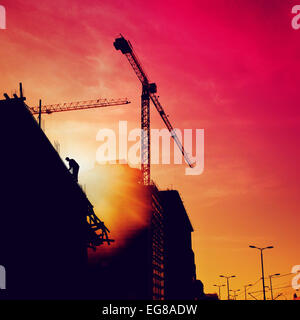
{"type": "Point", "coordinates": [232, 69]}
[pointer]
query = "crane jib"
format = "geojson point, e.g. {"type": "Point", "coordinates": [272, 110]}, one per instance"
{"type": "Point", "coordinates": [148, 89]}
{"type": "Point", "coordinates": [79, 105]}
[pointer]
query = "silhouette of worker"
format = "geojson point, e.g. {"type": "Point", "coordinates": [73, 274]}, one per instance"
{"type": "Point", "coordinates": [74, 166]}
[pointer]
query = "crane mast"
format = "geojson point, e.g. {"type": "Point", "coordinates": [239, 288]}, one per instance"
{"type": "Point", "coordinates": [147, 88]}
{"type": "Point", "coordinates": [148, 93]}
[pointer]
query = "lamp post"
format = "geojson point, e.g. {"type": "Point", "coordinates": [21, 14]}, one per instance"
{"type": "Point", "coordinates": [219, 286]}
{"type": "Point", "coordinates": [227, 278]}
{"type": "Point", "coordinates": [246, 286]}
{"type": "Point", "coordinates": [271, 288]}
{"type": "Point", "coordinates": [234, 293]}
{"type": "Point", "coordinates": [262, 265]}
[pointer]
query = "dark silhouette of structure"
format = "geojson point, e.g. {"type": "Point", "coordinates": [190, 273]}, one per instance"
{"type": "Point", "coordinates": [97, 231]}
{"type": "Point", "coordinates": [44, 229]}
{"type": "Point", "coordinates": [73, 168]}
{"type": "Point", "coordinates": [200, 295]}
{"type": "Point", "coordinates": [180, 273]}
{"type": "Point", "coordinates": [133, 268]}
{"type": "Point", "coordinates": [199, 290]}
{"type": "Point", "coordinates": [47, 224]}
{"type": "Point", "coordinates": [156, 261]}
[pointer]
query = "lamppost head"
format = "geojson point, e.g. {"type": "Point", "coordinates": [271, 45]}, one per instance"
{"type": "Point", "coordinates": [252, 247]}
{"type": "Point", "coordinates": [270, 247]}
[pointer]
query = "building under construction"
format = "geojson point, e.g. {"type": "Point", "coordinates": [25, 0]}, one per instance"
{"type": "Point", "coordinates": [47, 222]}
{"type": "Point", "coordinates": [132, 268]}
{"type": "Point", "coordinates": [180, 270]}
{"type": "Point", "coordinates": [153, 257]}
{"type": "Point", "coordinates": [50, 240]}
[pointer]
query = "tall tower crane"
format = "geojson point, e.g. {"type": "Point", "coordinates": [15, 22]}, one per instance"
{"type": "Point", "coordinates": [79, 105]}
{"type": "Point", "coordinates": [148, 93]}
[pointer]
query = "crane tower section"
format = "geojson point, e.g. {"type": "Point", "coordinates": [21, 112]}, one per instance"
{"type": "Point", "coordinates": [148, 93]}
{"type": "Point", "coordinates": [147, 89]}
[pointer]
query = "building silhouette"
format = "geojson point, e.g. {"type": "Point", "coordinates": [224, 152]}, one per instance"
{"type": "Point", "coordinates": [200, 295]}
{"type": "Point", "coordinates": [155, 261]}
{"type": "Point", "coordinates": [132, 268]}
{"type": "Point", "coordinates": [180, 273]}
{"type": "Point", "coordinates": [43, 238]}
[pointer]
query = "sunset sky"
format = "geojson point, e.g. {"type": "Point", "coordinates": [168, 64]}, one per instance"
{"type": "Point", "coordinates": [228, 67]}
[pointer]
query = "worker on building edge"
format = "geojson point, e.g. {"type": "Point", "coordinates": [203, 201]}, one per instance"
{"type": "Point", "coordinates": [73, 167]}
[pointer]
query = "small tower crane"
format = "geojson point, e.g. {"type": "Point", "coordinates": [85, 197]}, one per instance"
{"type": "Point", "coordinates": [148, 93]}
{"type": "Point", "coordinates": [79, 105]}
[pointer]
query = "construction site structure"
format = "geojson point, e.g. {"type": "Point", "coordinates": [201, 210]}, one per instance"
{"type": "Point", "coordinates": [97, 232]}
{"type": "Point", "coordinates": [149, 91]}
{"type": "Point", "coordinates": [78, 105]}
{"type": "Point", "coordinates": [157, 240]}
{"type": "Point", "coordinates": [73, 106]}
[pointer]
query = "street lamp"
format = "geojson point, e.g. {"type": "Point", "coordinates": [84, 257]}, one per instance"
{"type": "Point", "coordinates": [262, 265]}
{"type": "Point", "coordinates": [227, 278]}
{"type": "Point", "coordinates": [246, 286]}
{"type": "Point", "coordinates": [234, 293]}
{"type": "Point", "coordinates": [270, 277]}
{"type": "Point", "coordinates": [219, 286]}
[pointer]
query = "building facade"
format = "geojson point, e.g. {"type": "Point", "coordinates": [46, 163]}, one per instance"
{"type": "Point", "coordinates": [180, 273]}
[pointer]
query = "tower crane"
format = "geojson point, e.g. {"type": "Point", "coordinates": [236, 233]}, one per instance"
{"type": "Point", "coordinates": [149, 91]}
{"type": "Point", "coordinates": [78, 105]}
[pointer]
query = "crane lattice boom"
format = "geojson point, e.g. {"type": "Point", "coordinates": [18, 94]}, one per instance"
{"type": "Point", "coordinates": [168, 124]}
{"type": "Point", "coordinates": [148, 92]}
{"type": "Point", "coordinates": [79, 105]}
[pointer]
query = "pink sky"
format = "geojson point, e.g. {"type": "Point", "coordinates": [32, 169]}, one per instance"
{"type": "Point", "coordinates": [230, 67]}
